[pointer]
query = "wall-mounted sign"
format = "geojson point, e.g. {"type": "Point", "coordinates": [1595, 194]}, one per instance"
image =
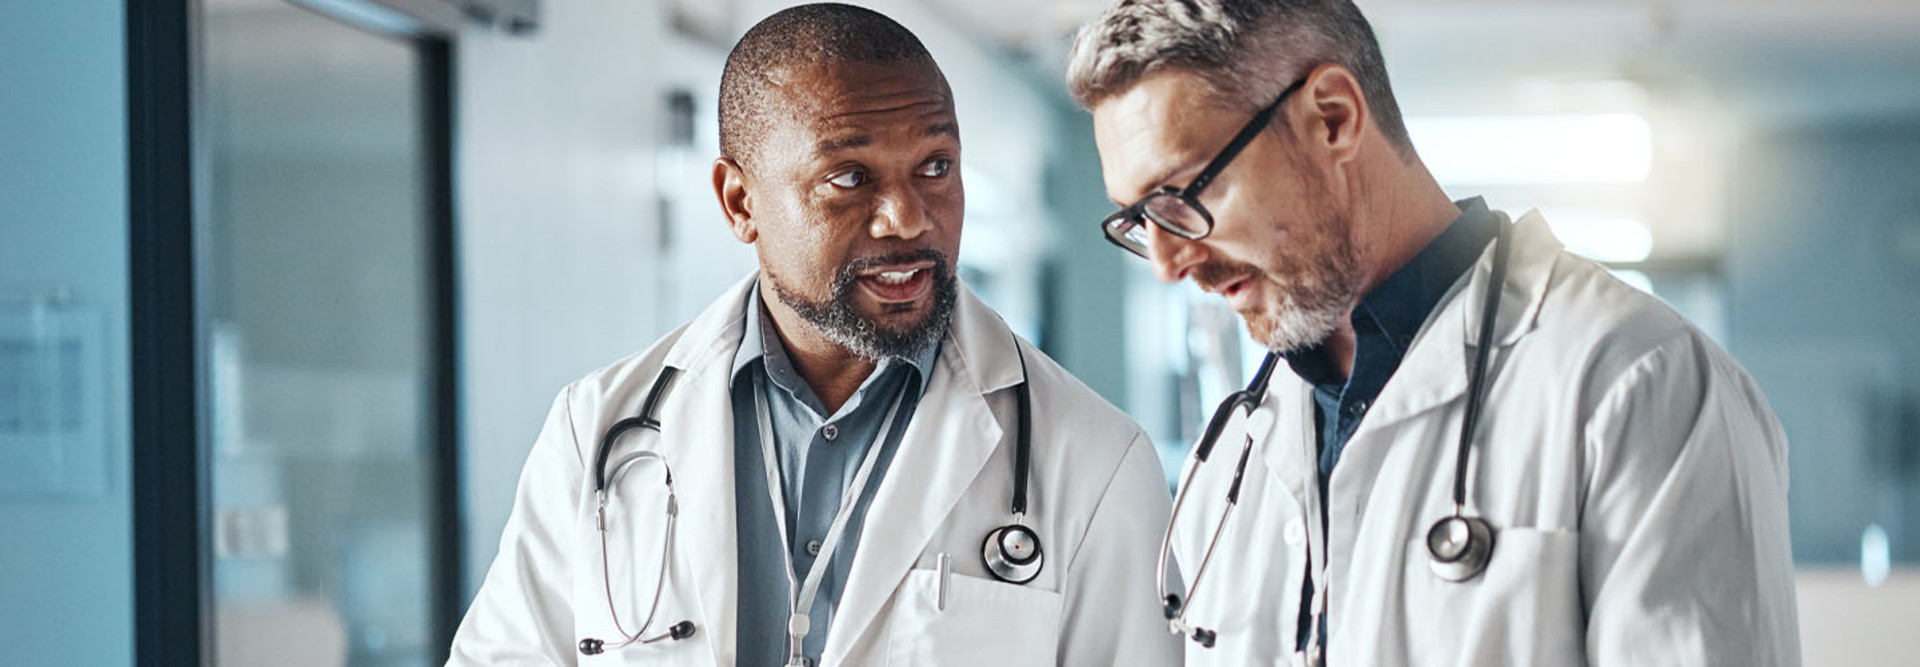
{"type": "Point", "coordinates": [53, 421]}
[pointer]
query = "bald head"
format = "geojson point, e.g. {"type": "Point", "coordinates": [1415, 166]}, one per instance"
{"type": "Point", "coordinates": [814, 35]}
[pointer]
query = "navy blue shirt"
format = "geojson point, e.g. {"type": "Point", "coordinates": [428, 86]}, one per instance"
{"type": "Point", "coordinates": [1384, 325]}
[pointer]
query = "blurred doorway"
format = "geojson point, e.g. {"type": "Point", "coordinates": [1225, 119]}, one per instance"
{"type": "Point", "coordinates": [324, 318]}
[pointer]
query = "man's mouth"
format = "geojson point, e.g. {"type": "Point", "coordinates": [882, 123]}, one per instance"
{"type": "Point", "coordinates": [1226, 288]}
{"type": "Point", "coordinates": [897, 283]}
{"type": "Point", "coordinates": [1236, 291]}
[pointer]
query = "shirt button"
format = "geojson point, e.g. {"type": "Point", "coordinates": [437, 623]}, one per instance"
{"type": "Point", "coordinates": [1358, 408]}
{"type": "Point", "coordinates": [813, 547]}
{"type": "Point", "coordinates": [806, 661]}
{"type": "Point", "coordinates": [1296, 532]}
{"type": "Point", "coordinates": [830, 432]}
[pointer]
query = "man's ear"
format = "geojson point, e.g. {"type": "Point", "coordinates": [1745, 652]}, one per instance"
{"type": "Point", "coordinates": [1338, 116]}
{"type": "Point", "coordinates": [730, 185]}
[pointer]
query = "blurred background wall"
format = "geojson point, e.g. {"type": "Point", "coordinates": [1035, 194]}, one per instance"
{"type": "Point", "coordinates": [65, 507]}
{"type": "Point", "coordinates": [417, 220]}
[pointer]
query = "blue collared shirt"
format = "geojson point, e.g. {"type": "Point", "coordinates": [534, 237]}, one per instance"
{"type": "Point", "coordinates": [818, 454]}
{"type": "Point", "coordinates": [1384, 325]}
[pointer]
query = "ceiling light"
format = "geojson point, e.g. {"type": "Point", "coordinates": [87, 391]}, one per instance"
{"type": "Point", "coordinates": [1534, 150]}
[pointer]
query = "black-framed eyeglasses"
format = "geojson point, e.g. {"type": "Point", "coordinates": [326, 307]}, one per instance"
{"type": "Point", "coordinates": [1177, 210]}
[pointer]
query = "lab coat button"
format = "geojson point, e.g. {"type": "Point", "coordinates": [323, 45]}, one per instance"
{"type": "Point", "coordinates": [1296, 531]}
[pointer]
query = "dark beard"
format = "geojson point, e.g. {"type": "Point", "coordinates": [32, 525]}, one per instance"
{"type": "Point", "coordinates": [842, 323]}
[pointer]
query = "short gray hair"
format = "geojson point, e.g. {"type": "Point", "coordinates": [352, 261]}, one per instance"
{"type": "Point", "coordinates": [1246, 51]}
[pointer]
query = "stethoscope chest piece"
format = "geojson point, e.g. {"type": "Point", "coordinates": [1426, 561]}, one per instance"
{"type": "Point", "coordinates": [1460, 546]}
{"type": "Point", "coordinates": [1012, 553]}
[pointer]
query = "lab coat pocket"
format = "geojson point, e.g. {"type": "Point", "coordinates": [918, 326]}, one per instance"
{"type": "Point", "coordinates": [983, 622]}
{"type": "Point", "coordinates": [1524, 609]}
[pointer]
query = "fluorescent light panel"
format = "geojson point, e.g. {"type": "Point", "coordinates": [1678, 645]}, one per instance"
{"type": "Point", "coordinates": [1601, 237]}
{"type": "Point", "coordinates": [1534, 150]}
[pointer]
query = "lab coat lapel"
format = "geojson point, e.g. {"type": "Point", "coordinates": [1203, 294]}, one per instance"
{"type": "Point", "coordinates": [1283, 429]}
{"type": "Point", "coordinates": [1434, 372]}
{"type": "Point", "coordinates": [696, 430]}
{"type": "Point", "coordinates": [944, 448]}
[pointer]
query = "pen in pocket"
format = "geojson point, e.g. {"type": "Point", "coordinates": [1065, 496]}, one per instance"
{"type": "Point", "coordinates": [945, 566]}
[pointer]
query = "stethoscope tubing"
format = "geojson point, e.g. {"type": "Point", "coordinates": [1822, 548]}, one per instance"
{"type": "Point", "coordinates": [1016, 571]}
{"type": "Point", "coordinates": [1250, 398]}
{"type": "Point", "coordinates": [666, 540]}
{"type": "Point", "coordinates": [1476, 380]}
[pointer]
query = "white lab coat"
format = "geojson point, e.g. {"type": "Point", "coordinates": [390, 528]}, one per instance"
{"type": "Point", "coordinates": [1097, 500]}
{"type": "Point", "coordinates": [1633, 472]}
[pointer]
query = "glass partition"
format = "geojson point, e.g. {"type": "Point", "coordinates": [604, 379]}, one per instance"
{"type": "Point", "coordinates": [318, 319]}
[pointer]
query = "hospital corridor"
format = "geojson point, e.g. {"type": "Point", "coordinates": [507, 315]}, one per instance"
{"type": "Point", "coordinates": [397, 333]}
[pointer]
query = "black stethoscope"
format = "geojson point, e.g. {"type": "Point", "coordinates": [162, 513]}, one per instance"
{"type": "Point", "coordinates": [1012, 553]}
{"type": "Point", "coordinates": [1459, 545]}
{"type": "Point", "coordinates": [603, 485]}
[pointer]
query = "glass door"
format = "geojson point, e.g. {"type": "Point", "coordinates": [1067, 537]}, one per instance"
{"type": "Point", "coordinates": [323, 322]}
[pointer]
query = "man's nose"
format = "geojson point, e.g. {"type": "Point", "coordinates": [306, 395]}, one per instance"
{"type": "Point", "coordinates": [1173, 256]}
{"type": "Point", "coordinates": [902, 213]}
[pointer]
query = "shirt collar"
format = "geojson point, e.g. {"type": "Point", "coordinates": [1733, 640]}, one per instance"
{"type": "Point", "coordinates": [1400, 305]}
{"type": "Point", "coordinates": [754, 347]}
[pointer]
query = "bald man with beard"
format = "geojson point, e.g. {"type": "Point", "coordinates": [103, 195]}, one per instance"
{"type": "Point", "coordinates": [848, 459]}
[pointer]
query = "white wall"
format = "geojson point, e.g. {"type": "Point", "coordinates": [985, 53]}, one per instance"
{"type": "Point", "coordinates": [557, 228]}
{"type": "Point", "coordinates": [66, 585]}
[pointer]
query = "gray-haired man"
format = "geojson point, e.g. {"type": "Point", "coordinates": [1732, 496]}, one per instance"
{"type": "Point", "coordinates": [1622, 496]}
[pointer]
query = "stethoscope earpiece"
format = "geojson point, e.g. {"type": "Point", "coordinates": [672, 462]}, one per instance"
{"type": "Point", "coordinates": [1460, 547]}
{"type": "Point", "coordinates": [1012, 553]}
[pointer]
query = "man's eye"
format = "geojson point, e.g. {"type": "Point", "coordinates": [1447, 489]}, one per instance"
{"type": "Point", "coordinates": [849, 179]}
{"type": "Point", "coordinates": [936, 168]}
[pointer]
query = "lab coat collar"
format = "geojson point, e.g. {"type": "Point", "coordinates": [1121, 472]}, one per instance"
{"type": "Point", "coordinates": [715, 333]}
{"type": "Point", "coordinates": [943, 449]}
{"type": "Point", "coordinates": [1434, 372]}
{"type": "Point", "coordinates": [1535, 251]}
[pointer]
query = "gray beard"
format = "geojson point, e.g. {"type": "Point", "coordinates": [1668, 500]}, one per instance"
{"type": "Point", "coordinates": [1313, 311]}
{"type": "Point", "coordinates": [839, 320]}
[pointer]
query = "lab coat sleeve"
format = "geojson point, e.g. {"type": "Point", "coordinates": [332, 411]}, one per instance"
{"type": "Point", "coordinates": [522, 615]}
{"type": "Point", "coordinates": [1685, 557]}
{"type": "Point", "coordinates": [1111, 615]}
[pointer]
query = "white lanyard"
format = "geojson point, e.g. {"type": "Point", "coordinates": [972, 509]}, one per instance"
{"type": "Point", "coordinates": [798, 624]}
